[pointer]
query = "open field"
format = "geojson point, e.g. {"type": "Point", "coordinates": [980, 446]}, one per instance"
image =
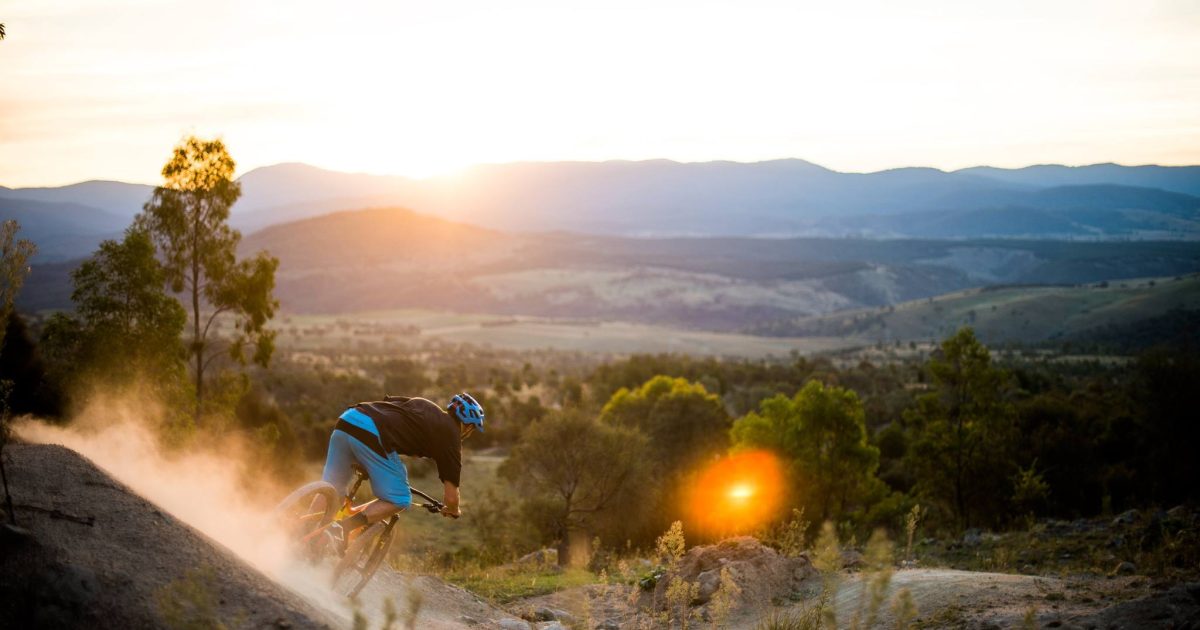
{"type": "Point", "coordinates": [300, 333]}
{"type": "Point", "coordinates": [999, 314]}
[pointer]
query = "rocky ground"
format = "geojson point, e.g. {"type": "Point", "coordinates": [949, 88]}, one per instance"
{"type": "Point", "coordinates": [91, 552]}
{"type": "Point", "coordinates": [775, 588]}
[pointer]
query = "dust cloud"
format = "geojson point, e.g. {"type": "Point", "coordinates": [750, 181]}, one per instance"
{"type": "Point", "coordinates": [204, 486]}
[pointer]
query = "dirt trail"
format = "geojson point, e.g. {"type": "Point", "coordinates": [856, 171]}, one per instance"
{"type": "Point", "coordinates": [99, 555]}
{"type": "Point", "coordinates": [948, 597]}
{"type": "Point", "coordinates": [171, 523]}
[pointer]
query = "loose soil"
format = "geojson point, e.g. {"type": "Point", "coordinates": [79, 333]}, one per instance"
{"type": "Point", "coordinates": [98, 555]}
{"type": "Point", "coordinates": [91, 552]}
{"type": "Point", "coordinates": [776, 587]}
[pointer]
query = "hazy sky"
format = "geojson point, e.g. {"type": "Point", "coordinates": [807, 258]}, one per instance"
{"type": "Point", "coordinates": [103, 90]}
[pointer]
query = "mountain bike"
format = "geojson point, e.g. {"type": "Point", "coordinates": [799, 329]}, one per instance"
{"type": "Point", "coordinates": [366, 548]}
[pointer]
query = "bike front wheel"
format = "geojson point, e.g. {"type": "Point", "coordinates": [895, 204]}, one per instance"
{"type": "Point", "coordinates": [363, 557]}
{"type": "Point", "coordinates": [296, 516]}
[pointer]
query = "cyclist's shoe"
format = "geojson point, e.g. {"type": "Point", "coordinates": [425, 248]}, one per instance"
{"type": "Point", "coordinates": [337, 538]}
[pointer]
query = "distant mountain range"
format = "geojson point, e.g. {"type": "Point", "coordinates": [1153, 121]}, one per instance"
{"type": "Point", "coordinates": [780, 198]}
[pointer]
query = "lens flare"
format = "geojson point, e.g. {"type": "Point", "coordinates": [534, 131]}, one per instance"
{"type": "Point", "coordinates": [736, 494]}
{"type": "Point", "coordinates": [741, 492]}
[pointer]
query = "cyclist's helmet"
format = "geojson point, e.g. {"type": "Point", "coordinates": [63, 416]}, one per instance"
{"type": "Point", "coordinates": [467, 409]}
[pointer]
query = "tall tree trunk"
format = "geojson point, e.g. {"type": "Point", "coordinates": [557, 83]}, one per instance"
{"type": "Point", "coordinates": [197, 343]}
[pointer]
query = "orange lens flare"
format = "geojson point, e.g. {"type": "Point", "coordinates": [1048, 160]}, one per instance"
{"type": "Point", "coordinates": [736, 494]}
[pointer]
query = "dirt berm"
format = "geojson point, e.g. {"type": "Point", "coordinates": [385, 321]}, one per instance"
{"type": "Point", "coordinates": [97, 555]}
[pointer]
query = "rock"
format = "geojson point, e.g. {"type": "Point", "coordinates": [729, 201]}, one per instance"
{"type": "Point", "coordinates": [1179, 512]}
{"type": "Point", "coordinates": [539, 557]}
{"type": "Point", "coordinates": [1125, 568]}
{"type": "Point", "coordinates": [852, 559]}
{"type": "Point", "coordinates": [469, 620]}
{"type": "Point", "coordinates": [972, 537]}
{"type": "Point", "coordinates": [512, 624]}
{"type": "Point", "coordinates": [710, 583]}
{"type": "Point", "coordinates": [545, 613]}
{"type": "Point", "coordinates": [608, 624]}
{"type": "Point", "coordinates": [762, 573]}
{"type": "Point", "coordinates": [1116, 542]}
{"type": "Point", "coordinates": [1125, 518]}
{"type": "Point", "coordinates": [553, 625]}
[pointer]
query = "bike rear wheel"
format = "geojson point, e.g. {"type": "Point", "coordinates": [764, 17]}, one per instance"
{"type": "Point", "coordinates": [295, 516]}
{"type": "Point", "coordinates": [363, 558]}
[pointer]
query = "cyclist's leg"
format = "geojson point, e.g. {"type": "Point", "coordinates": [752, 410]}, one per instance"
{"type": "Point", "coordinates": [389, 480]}
{"type": "Point", "coordinates": [338, 462]}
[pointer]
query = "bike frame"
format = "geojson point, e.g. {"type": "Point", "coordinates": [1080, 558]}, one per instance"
{"type": "Point", "coordinates": [349, 509]}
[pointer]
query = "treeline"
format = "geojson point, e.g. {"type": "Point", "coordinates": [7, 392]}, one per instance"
{"type": "Point", "coordinates": [971, 442]}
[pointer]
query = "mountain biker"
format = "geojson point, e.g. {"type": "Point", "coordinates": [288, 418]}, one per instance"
{"type": "Point", "coordinates": [375, 434]}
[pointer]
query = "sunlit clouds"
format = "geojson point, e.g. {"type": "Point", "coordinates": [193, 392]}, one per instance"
{"type": "Point", "coordinates": [103, 90]}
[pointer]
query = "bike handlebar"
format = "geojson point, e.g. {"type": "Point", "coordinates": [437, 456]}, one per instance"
{"type": "Point", "coordinates": [434, 506]}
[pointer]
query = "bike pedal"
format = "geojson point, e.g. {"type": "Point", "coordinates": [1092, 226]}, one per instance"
{"type": "Point", "coordinates": [337, 539]}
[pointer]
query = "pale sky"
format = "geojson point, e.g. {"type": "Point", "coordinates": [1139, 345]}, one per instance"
{"type": "Point", "coordinates": [103, 89]}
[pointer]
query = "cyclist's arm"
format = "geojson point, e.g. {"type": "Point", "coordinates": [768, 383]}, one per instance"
{"type": "Point", "coordinates": [450, 498]}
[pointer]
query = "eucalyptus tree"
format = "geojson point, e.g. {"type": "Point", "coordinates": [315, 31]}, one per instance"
{"type": "Point", "coordinates": [962, 431]}
{"type": "Point", "coordinates": [188, 219]}
{"type": "Point", "coordinates": [821, 433]}
{"type": "Point", "coordinates": [125, 324]}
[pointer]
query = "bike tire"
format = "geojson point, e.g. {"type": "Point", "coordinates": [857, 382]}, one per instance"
{"type": "Point", "coordinates": [291, 513]}
{"type": "Point", "coordinates": [363, 557]}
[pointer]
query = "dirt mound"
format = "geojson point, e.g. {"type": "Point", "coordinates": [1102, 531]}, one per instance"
{"type": "Point", "coordinates": [778, 587]}
{"type": "Point", "coordinates": [762, 573]}
{"type": "Point", "coordinates": [766, 579]}
{"type": "Point", "coordinates": [98, 555]}
{"type": "Point", "coordinates": [126, 535]}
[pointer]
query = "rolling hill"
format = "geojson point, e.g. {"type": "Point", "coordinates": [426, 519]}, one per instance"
{"type": "Point", "coordinates": [383, 259]}
{"type": "Point", "coordinates": [393, 258]}
{"type": "Point", "coordinates": [1008, 313]}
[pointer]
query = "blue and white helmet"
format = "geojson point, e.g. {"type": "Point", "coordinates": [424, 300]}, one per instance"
{"type": "Point", "coordinates": [467, 409]}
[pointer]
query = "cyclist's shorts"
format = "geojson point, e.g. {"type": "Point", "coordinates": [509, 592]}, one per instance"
{"type": "Point", "coordinates": [389, 477]}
